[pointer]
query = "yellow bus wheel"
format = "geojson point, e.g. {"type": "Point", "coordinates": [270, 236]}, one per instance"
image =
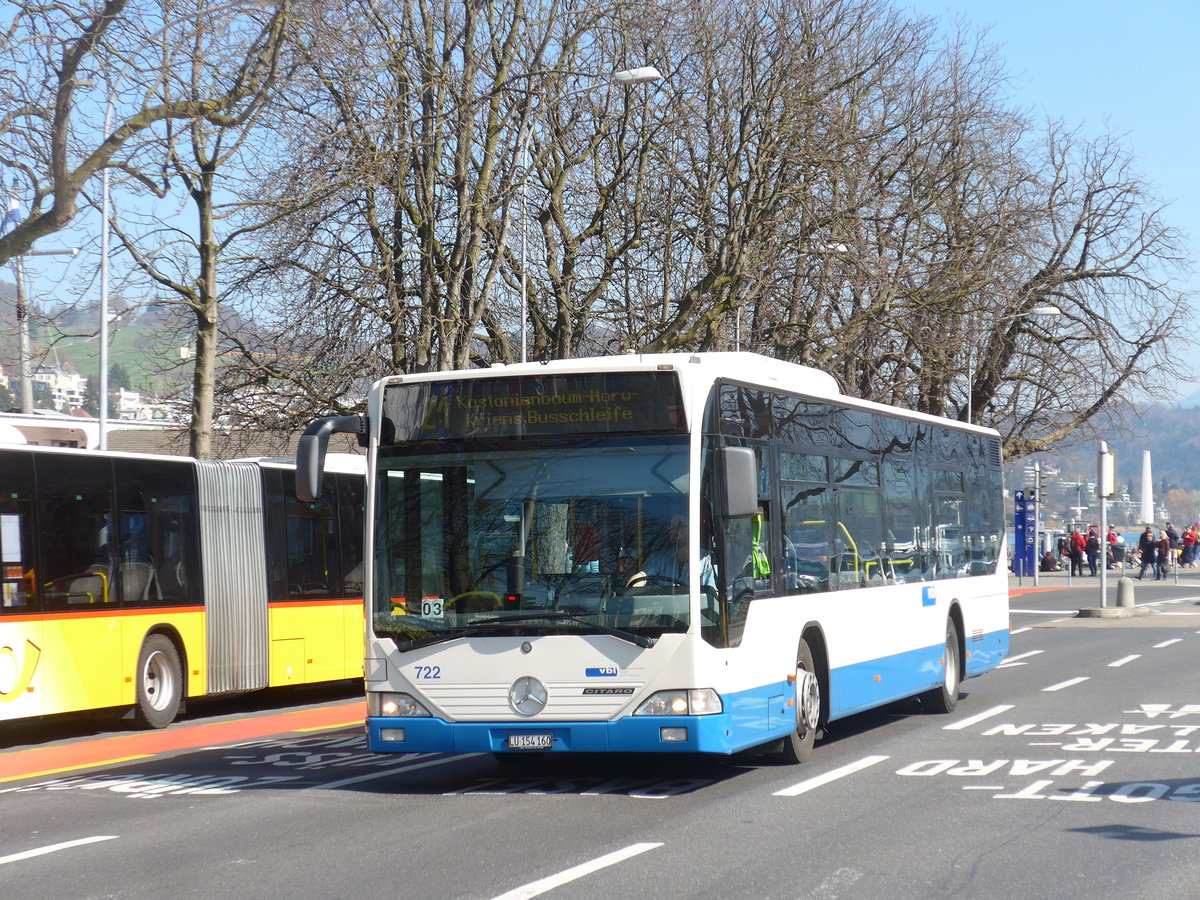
{"type": "Point", "coordinates": [159, 683]}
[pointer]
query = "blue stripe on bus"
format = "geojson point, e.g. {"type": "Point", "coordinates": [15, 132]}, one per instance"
{"type": "Point", "coordinates": [865, 685]}
{"type": "Point", "coordinates": [750, 718]}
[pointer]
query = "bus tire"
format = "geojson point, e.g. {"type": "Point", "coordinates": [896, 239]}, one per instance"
{"type": "Point", "coordinates": [944, 698]}
{"type": "Point", "coordinates": [798, 746]}
{"type": "Point", "coordinates": [159, 679]}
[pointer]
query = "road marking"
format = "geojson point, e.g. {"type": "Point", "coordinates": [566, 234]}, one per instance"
{"type": "Point", "coordinates": [1020, 630]}
{"type": "Point", "coordinates": [1124, 659]}
{"type": "Point", "coordinates": [53, 848]}
{"type": "Point", "coordinates": [575, 872]}
{"type": "Point", "coordinates": [1016, 660]}
{"type": "Point", "coordinates": [87, 765]}
{"type": "Point", "coordinates": [818, 781]}
{"type": "Point", "coordinates": [978, 717]}
{"type": "Point", "coordinates": [332, 785]}
{"type": "Point", "coordinates": [1167, 643]}
{"type": "Point", "coordinates": [348, 724]}
{"type": "Point", "coordinates": [1066, 684]}
{"type": "Point", "coordinates": [1044, 612]}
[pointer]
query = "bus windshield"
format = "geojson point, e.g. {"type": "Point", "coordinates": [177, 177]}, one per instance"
{"type": "Point", "coordinates": [553, 536]}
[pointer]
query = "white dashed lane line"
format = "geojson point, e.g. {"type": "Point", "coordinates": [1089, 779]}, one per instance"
{"type": "Point", "coordinates": [1167, 643]}
{"type": "Point", "coordinates": [54, 848]}
{"type": "Point", "coordinates": [1117, 663]}
{"type": "Point", "coordinates": [834, 775]}
{"type": "Point", "coordinates": [550, 882]}
{"type": "Point", "coordinates": [978, 717]}
{"type": "Point", "coordinates": [1070, 682]}
{"type": "Point", "coordinates": [1016, 660]}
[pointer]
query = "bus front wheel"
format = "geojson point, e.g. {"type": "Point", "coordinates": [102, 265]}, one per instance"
{"type": "Point", "coordinates": [944, 698]}
{"type": "Point", "coordinates": [159, 683]}
{"type": "Point", "coordinates": [798, 746]}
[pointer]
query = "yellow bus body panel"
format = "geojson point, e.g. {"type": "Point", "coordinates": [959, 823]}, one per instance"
{"type": "Point", "coordinates": [68, 662]}
{"type": "Point", "coordinates": [315, 640]}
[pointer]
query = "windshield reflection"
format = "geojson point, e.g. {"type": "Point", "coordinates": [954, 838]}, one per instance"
{"type": "Point", "coordinates": [552, 538]}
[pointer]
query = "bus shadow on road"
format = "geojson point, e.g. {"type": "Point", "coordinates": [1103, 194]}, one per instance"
{"type": "Point", "coordinates": [1136, 833]}
{"type": "Point", "coordinates": [341, 761]}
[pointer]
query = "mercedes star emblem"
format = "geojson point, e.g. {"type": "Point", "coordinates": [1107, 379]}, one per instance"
{"type": "Point", "coordinates": [527, 696]}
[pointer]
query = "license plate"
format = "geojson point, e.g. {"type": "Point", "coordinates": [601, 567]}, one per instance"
{"type": "Point", "coordinates": [530, 741]}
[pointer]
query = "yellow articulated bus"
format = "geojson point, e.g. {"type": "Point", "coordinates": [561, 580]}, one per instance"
{"type": "Point", "coordinates": [135, 581]}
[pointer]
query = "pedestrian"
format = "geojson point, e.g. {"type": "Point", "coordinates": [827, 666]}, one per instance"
{"type": "Point", "coordinates": [1163, 556]}
{"type": "Point", "coordinates": [1147, 551]}
{"type": "Point", "coordinates": [1092, 548]}
{"type": "Point", "coordinates": [1189, 546]}
{"type": "Point", "coordinates": [1078, 547]}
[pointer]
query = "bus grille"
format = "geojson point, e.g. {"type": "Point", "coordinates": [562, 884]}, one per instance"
{"type": "Point", "coordinates": [567, 701]}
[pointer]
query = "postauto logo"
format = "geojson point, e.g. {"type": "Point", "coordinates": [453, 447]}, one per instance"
{"type": "Point", "coordinates": [16, 671]}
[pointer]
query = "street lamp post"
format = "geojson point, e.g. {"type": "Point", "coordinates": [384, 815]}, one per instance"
{"type": "Point", "coordinates": [23, 322]}
{"type": "Point", "coordinates": [623, 78]}
{"type": "Point", "coordinates": [103, 385]}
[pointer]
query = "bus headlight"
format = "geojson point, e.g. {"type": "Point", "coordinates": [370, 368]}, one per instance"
{"type": "Point", "coordinates": [698, 702]}
{"type": "Point", "coordinates": [400, 706]}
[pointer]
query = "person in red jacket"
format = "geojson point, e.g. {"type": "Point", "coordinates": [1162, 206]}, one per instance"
{"type": "Point", "coordinates": [1078, 547]}
{"type": "Point", "coordinates": [1189, 547]}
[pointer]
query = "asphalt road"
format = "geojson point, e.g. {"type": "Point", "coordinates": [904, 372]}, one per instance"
{"type": "Point", "coordinates": [1070, 772]}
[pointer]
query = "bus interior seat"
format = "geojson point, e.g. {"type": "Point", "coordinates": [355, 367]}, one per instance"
{"type": "Point", "coordinates": [137, 578]}
{"type": "Point", "coordinates": [87, 587]}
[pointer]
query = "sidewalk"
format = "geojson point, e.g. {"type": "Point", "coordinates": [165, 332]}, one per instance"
{"type": "Point", "coordinates": [1060, 581]}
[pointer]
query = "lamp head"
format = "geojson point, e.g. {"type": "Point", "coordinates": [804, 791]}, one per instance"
{"type": "Point", "coordinates": [640, 75]}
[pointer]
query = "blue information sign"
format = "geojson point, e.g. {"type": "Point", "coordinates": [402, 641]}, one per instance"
{"type": "Point", "coordinates": [1024, 533]}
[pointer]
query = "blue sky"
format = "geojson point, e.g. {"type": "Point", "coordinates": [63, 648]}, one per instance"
{"type": "Point", "coordinates": [1129, 68]}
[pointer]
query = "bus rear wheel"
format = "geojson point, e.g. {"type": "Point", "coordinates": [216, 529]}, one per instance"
{"type": "Point", "coordinates": [159, 683]}
{"type": "Point", "coordinates": [944, 698]}
{"type": "Point", "coordinates": [798, 746]}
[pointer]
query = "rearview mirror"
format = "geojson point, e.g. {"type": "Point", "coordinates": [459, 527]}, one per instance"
{"type": "Point", "coordinates": [739, 482]}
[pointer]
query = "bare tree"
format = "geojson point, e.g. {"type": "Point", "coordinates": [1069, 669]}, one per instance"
{"type": "Point", "coordinates": [826, 181]}
{"type": "Point", "coordinates": [204, 164]}
{"type": "Point", "coordinates": [421, 138]}
{"type": "Point", "coordinates": [61, 62]}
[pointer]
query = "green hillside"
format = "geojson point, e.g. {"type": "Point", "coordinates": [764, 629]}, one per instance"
{"type": "Point", "coordinates": [143, 346]}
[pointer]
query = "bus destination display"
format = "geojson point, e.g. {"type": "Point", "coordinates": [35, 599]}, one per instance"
{"type": "Point", "coordinates": [592, 403]}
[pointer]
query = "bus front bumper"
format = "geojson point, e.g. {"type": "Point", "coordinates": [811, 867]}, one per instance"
{"type": "Point", "coordinates": [633, 734]}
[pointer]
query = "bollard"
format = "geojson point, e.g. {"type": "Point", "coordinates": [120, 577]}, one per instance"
{"type": "Point", "coordinates": [1125, 593]}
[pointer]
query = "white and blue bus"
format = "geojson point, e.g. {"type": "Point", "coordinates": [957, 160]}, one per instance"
{"type": "Point", "coordinates": [709, 552]}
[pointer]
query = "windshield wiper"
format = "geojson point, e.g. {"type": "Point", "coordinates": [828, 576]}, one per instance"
{"type": "Point", "coordinates": [555, 616]}
{"type": "Point", "coordinates": [406, 643]}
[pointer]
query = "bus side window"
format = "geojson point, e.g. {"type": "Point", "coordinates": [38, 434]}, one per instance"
{"type": "Point", "coordinates": [18, 580]}
{"type": "Point", "coordinates": [155, 542]}
{"type": "Point", "coordinates": [76, 532]}
{"type": "Point", "coordinates": [806, 534]}
{"type": "Point", "coordinates": [748, 558]}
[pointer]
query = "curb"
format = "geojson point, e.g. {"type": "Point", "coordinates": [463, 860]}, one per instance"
{"type": "Point", "coordinates": [1111, 612]}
